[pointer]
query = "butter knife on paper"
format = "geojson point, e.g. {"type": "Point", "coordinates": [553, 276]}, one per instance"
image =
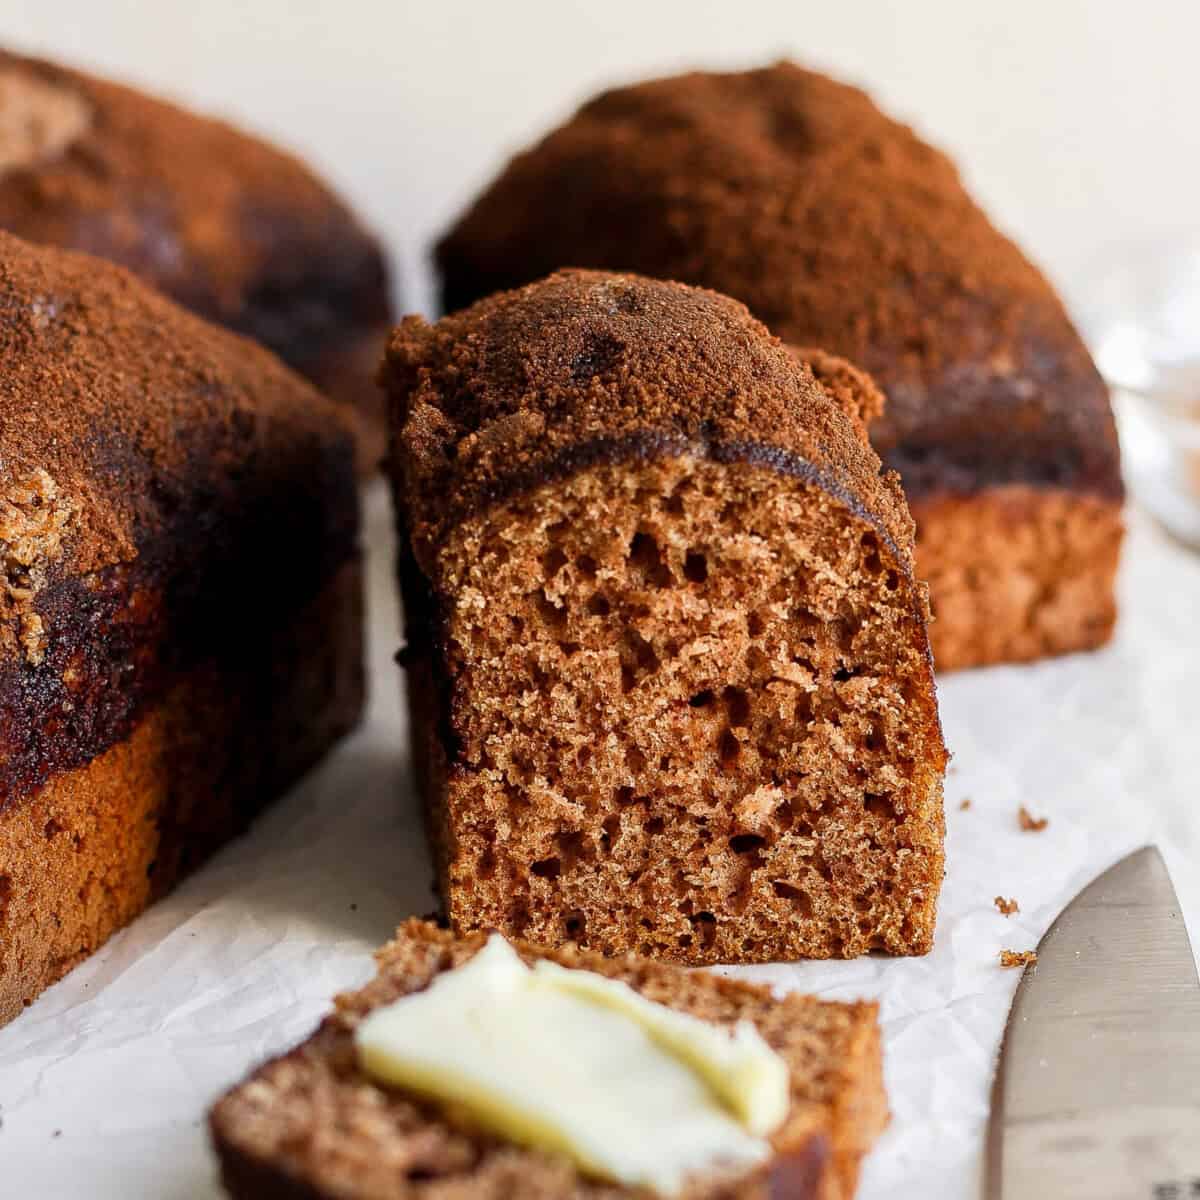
{"type": "Point", "coordinates": [1097, 1093]}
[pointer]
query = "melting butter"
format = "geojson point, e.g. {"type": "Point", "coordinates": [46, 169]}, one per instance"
{"type": "Point", "coordinates": [573, 1062]}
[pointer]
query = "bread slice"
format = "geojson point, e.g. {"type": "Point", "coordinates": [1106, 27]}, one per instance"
{"type": "Point", "coordinates": [667, 660]}
{"type": "Point", "coordinates": [311, 1125]}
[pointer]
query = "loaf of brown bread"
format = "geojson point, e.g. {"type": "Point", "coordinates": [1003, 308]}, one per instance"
{"type": "Point", "coordinates": [667, 662]}
{"type": "Point", "coordinates": [843, 230]}
{"type": "Point", "coordinates": [232, 228]}
{"type": "Point", "coordinates": [312, 1125]}
{"type": "Point", "coordinates": [179, 598]}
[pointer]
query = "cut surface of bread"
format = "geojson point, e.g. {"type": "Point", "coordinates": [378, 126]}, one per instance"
{"type": "Point", "coordinates": [311, 1124]}
{"type": "Point", "coordinates": [671, 690]}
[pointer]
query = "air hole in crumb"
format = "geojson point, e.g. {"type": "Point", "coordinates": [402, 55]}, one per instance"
{"type": "Point", "coordinates": [645, 661]}
{"type": "Point", "coordinates": [695, 567]}
{"type": "Point", "coordinates": [53, 828]}
{"type": "Point", "coordinates": [863, 903]}
{"type": "Point", "coordinates": [655, 825]}
{"type": "Point", "coordinates": [747, 843]}
{"type": "Point", "coordinates": [876, 738]}
{"type": "Point", "coordinates": [547, 868]}
{"type": "Point", "coordinates": [550, 612]}
{"type": "Point", "coordinates": [892, 582]}
{"type": "Point", "coordinates": [612, 828]}
{"type": "Point", "coordinates": [487, 861]}
{"type": "Point", "coordinates": [572, 847]}
{"type": "Point", "coordinates": [870, 545]}
{"type": "Point", "coordinates": [624, 795]}
{"type": "Point", "coordinates": [5, 892]}
{"type": "Point", "coordinates": [702, 699]}
{"type": "Point", "coordinates": [599, 606]}
{"type": "Point", "coordinates": [729, 748]}
{"type": "Point", "coordinates": [569, 648]}
{"type": "Point", "coordinates": [587, 565]}
{"type": "Point", "coordinates": [684, 940]}
{"type": "Point", "coordinates": [879, 806]}
{"type": "Point", "coordinates": [754, 625]}
{"type": "Point", "coordinates": [574, 926]}
{"type": "Point", "coordinates": [646, 557]}
{"type": "Point", "coordinates": [799, 898]}
{"type": "Point", "coordinates": [705, 926]}
{"type": "Point", "coordinates": [553, 561]}
{"type": "Point", "coordinates": [635, 759]}
{"type": "Point", "coordinates": [737, 705]}
{"type": "Point", "coordinates": [842, 674]}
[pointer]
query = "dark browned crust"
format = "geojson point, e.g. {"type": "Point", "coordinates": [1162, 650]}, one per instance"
{"type": "Point", "coordinates": [232, 228]}
{"type": "Point", "coordinates": [200, 491]}
{"type": "Point", "coordinates": [247, 1177]}
{"type": "Point", "coordinates": [838, 1104]}
{"type": "Point", "coordinates": [587, 367]}
{"type": "Point", "coordinates": [87, 851]}
{"type": "Point", "coordinates": [840, 229]}
{"type": "Point", "coordinates": [798, 1176]}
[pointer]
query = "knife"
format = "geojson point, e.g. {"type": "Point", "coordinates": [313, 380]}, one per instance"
{"type": "Point", "coordinates": [1097, 1094]}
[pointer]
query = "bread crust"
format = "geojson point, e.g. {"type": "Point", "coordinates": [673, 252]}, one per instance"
{"type": "Point", "coordinates": [1018, 573]}
{"type": "Point", "coordinates": [232, 228]}
{"type": "Point", "coordinates": [841, 229]}
{"type": "Point", "coordinates": [589, 367]}
{"type": "Point", "coordinates": [93, 846]}
{"type": "Point", "coordinates": [175, 505]}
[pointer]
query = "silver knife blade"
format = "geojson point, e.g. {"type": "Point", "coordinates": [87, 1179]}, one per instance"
{"type": "Point", "coordinates": [1097, 1092]}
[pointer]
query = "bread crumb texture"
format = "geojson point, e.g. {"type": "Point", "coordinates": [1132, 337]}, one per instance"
{"type": "Point", "coordinates": [673, 695]}
{"type": "Point", "coordinates": [1018, 958]}
{"type": "Point", "coordinates": [1029, 823]}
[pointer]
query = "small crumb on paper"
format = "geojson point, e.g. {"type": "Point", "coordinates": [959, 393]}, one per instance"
{"type": "Point", "coordinates": [1017, 958]}
{"type": "Point", "coordinates": [1007, 907]}
{"type": "Point", "coordinates": [965, 805]}
{"type": "Point", "coordinates": [1029, 823]}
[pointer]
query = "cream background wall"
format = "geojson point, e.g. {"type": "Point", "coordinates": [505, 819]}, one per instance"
{"type": "Point", "coordinates": [1075, 120]}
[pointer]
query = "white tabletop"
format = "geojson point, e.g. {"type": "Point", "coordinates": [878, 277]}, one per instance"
{"type": "Point", "coordinates": [105, 1081]}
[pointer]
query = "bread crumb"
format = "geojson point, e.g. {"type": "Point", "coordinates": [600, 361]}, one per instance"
{"type": "Point", "coordinates": [1007, 907]}
{"type": "Point", "coordinates": [965, 805]}
{"type": "Point", "coordinates": [1017, 958]}
{"type": "Point", "coordinates": [1029, 823]}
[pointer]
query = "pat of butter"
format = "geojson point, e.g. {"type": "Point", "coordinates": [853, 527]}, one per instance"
{"type": "Point", "coordinates": [576, 1063]}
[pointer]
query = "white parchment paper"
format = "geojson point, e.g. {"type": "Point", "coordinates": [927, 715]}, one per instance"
{"type": "Point", "coordinates": [105, 1081]}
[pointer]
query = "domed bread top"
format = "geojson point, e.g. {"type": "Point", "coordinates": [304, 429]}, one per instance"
{"type": "Point", "coordinates": [839, 228]}
{"type": "Point", "coordinates": [227, 225]}
{"type": "Point", "coordinates": [129, 428]}
{"type": "Point", "coordinates": [586, 367]}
